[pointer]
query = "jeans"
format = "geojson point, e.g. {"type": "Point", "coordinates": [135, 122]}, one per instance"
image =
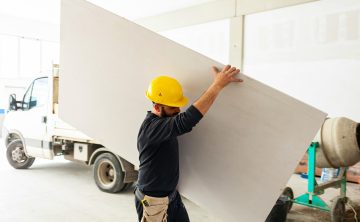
{"type": "Point", "coordinates": [176, 210]}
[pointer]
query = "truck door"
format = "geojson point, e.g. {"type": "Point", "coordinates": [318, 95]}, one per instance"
{"type": "Point", "coordinates": [34, 117]}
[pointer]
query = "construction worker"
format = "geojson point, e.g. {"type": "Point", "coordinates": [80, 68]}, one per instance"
{"type": "Point", "coordinates": [156, 197]}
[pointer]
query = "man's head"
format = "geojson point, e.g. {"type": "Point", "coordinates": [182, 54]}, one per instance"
{"type": "Point", "coordinates": [166, 111]}
{"type": "Point", "coordinates": [167, 96]}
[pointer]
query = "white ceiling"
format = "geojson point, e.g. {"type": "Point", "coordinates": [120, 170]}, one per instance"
{"type": "Point", "coordinates": [143, 8]}
{"type": "Point", "coordinates": [39, 10]}
{"type": "Point", "coordinates": [49, 10]}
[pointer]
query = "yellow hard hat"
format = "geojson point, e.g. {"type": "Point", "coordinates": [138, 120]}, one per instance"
{"type": "Point", "coordinates": [167, 91]}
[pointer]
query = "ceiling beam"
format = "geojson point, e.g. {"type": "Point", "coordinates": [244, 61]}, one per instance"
{"type": "Point", "coordinates": [212, 11]}
{"type": "Point", "coordinates": [203, 13]}
{"type": "Point", "coordinates": [245, 7]}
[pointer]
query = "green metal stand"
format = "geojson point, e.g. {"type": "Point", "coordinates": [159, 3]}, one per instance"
{"type": "Point", "coordinates": [311, 197]}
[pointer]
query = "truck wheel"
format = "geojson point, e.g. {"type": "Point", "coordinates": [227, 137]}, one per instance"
{"type": "Point", "coordinates": [16, 155]}
{"type": "Point", "coordinates": [127, 186]}
{"type": "Point", "coordinates": [108, 173]}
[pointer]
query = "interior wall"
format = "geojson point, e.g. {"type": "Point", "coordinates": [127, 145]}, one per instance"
{"type": "Point", "coordinates": [311, 52]}
{"type": "Point", "coordinates": [27, 49]}
{"type": "Point", "coordinates": [210, 39]}
{"type": "Point", "coordinates": [16, 26]}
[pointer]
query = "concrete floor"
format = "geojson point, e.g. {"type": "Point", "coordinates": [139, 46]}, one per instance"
{"type": "Point", "coordinates": [60, 190]}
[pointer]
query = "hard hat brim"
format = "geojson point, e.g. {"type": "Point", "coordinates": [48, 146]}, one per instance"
{"type": "Point", "coordinates": [184, 100]}
{"type": "Point", "coordinates": [180, 103]}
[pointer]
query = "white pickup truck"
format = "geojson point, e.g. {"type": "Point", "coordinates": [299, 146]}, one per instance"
{"type": "Point", "coordinates": [32, 129]}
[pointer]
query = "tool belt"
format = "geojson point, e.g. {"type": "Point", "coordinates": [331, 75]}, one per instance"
{"type": "Point", "coordinates": [154, 208]}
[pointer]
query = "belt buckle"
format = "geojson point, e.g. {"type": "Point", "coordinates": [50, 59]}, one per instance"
{"type": "Point", "coordinates": [145, 202]}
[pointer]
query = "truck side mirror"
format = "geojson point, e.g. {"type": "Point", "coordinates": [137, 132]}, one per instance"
{"type": "Point", "coordinates": [32, 104]}
{"type": "Point", "coordinates": [12, 102]}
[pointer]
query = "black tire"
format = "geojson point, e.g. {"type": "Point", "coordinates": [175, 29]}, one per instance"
{"type": "Point", "coordinates": [127, 186]}
{"type": "Point", "coordinates": [108, 174]}
{"type": "Point", "coordinates": [16, 156]}
{"type": "Point", "coordinates": [337, 210]}
{"type": "Point", "coordinates": [290, 194]}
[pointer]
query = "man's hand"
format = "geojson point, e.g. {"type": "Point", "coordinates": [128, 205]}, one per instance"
{"type": "Point", "coordinates": [222, 79]}
{"type": "Point", "coordinates": [225, 76]}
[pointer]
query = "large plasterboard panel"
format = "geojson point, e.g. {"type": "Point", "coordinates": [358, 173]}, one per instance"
{"type": "Point", "coordinates": [235, 161]}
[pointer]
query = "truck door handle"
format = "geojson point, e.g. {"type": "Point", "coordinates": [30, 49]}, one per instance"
{"type": "Point", "coordinates": [44, 119]}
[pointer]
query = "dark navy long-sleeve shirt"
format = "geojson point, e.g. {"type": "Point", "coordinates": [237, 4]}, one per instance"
{"type": "Point", "coordinates": [159, 150]}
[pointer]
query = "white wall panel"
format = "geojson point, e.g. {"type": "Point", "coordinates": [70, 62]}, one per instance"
{"type": "Point", "coordinates": [311, 52]}
{"type": "Point", "coordinates": [202, 38]}
{"type": "Point", "coordinates": [237, 159]}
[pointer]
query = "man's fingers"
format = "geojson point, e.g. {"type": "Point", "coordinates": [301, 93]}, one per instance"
{"type": "Point", "coordinates": [239, 80]}
{"type": "Point", "coordinates": [234, 72]}
{"type": "Point", "coordinates": [226, 68]}
{"type": "Point", "coordinates": [236, 80]}
{"type": "Point", "coordinates": [229, 72]}
{"type": "Point", "coordinates": [232, 69]}
{"type": "Point", "coordinates": [215, 69]}
{"type": "Point", "coordinates": [233, 78]}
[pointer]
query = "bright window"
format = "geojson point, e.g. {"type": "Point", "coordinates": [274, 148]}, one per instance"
{"type": "Point", "coordinates": [29, 57]}
{"type": "Point", "coordinates": [8, 56]}
{"type": "Point", "coordinates": [26, 58]}
{"type": "Point", "coordinates": [49, 56]}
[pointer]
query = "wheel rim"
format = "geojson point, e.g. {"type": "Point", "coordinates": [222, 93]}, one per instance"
{"type": "Point", "coordinates": [18, 155]}
{"type": "Point", "coordinates": [106, 173]}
